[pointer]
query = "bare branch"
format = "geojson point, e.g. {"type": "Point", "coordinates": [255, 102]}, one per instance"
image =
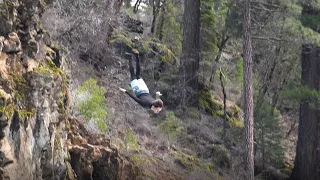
{"type": "Point", "coordinates": [268, 38]}
{"type": "Point", "coordinates": [263, 8]}
{"type": "Point", "coordinates": [266, 4]}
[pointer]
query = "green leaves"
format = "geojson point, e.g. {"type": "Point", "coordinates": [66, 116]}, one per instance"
{"type": "Point", "coordinates": [90, 102]}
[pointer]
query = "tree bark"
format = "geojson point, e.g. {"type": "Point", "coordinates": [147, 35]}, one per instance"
{"type": "Point", "coordinates": [155, 12]}
{"type": "Point", "coordinates": [162, 18]}
{"type": "Point", "coordinates": [306, 165]}
{"type": "Point", "coordinates": [225, 123]}
{"type": "Point", "coordinates": [248, 93]}
{"type": "Point", "coordinates": [136, 6]}
{"type": "Point", "coordinates": [190, 53]}
{"type": "Point", "coordinates": [217, 59]}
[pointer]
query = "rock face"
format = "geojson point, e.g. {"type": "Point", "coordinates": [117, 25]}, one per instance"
{"type": "Point", "coordinates": [132, 25]}
{"type": "Point", "coordinates": [8, 16]}
{"type": "Point", "coordinates": [92, 157]}
{"type": "Point", "coordinates": [32, 99]}
{"type": "Point", "coordinates": [34, 136]}
{"type": "Point", "coordinates": [33, 107]}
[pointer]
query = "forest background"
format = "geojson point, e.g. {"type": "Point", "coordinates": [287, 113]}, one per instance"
{"type": "Point", "coordinates": [198, 63]}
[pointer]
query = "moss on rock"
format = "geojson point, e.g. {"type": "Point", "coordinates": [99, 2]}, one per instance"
{"type": "Point", "coordinates": [215, 108]}
{"type": "Point", "coordinates": [25, 113]}
{"type": "Point", "coordinates": [147, 47]}
{"type": "Point", "coordinates": [234, 117]}
{"type": "Point", "coordinates": [7, 109]}
{"type": "Point", "coordinates": [209, 104]}
{"type": "Point", "coordinates": [188, 162]}
{"type": "Point", "coordinates": [122, 40]}
{"type": "Point", "coordinates": [141, 166]}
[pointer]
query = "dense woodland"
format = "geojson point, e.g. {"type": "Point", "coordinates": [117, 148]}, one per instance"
{"type": "Point", "coordinates": [261, 55]}
{"type": "Point", "coordinates": [253, 66]}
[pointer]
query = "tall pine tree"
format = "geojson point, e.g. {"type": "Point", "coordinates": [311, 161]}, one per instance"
{"type": "Point", "coordinates": [248, 93]}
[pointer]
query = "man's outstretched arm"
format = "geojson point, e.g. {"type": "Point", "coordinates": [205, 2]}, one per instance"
{"type": "Point", "coordinates": [131, 95]}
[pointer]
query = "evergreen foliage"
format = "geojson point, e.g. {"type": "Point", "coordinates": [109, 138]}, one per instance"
{"type": "Point", "coordinates": [208, 28]}
{"type": "Point", "coordinates": [268, 138]}
{"type": "Point", "coordinates": [302, 94]}
{"type": "Point", "coordinates": [172, 127]}
{"type": "Point", "coordinates": [91, 103]}
{"type": "Point", "coordinates": [239, 72]}
{"type": "Point", "coordinates": [172, 27]}
{"type": "Point", "coordinates": [131, 140]}
{"type": "Point", "coordinates": [296, 25]}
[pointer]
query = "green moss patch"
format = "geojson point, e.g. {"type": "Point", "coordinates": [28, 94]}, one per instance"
{"type": "Point", "coordinates": [188, 162]}
{"type": "Point", "coordinates": [122, 40]}
{"type": "Point", "coordinates": [7, 109]}
{"type": "Point", "coordinates": [141, 166]}
{"type": "Point", "coordinates": [209, 104]}
{"type": "Point", "coordinates": [234, 117]}
{"type": "Point", "coordinates": [147, 47]}
{"type": "Point", "coordinates": [25, 113]}
{"type": "Point", "coordinates": [215, 108]}
{"type": "Point", "coordinates": [5, 8]}
{"type": "Point", "coordinates": [287, 169]}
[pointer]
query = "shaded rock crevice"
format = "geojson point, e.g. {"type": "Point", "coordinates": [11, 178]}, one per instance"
{"type": "Point", "coordinates": [93, 157]}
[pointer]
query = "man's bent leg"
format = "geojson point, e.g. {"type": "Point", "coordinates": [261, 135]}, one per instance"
{"type": "Point", "coordinates": [137, 67]}
{"type": "Point", "coordinates": [132, 75]}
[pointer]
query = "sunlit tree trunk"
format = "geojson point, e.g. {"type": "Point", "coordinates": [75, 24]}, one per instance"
{"type": "Point", "coordinates": [248, 93]}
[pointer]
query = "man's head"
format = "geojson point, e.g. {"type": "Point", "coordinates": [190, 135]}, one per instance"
{"type": "Point", "coordinates": [157, 106]}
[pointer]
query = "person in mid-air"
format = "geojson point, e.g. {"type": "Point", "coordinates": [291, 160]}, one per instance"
{"type": "Point", "coordinates": [140, 90]}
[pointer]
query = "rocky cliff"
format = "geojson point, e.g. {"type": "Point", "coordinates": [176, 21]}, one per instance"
{"type": "Point", "coordinates": [34, 101]}
{"type": "Point", "coordinates": [33, 96]}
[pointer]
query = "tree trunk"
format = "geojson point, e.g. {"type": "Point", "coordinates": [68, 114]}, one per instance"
{"type": "Point", "coordinates": [136, 6]}
{"type": "Point", "coordinates": [155, 12]}
{"type": "Point", "coordinates": [217, 59]}
{"type": "Point", "coordinates": [248, 93]}
{"type": "Point", "coordinates": [306, 165]}
{"type": "Point", "coordinates": [190, 53]}
{"type": "Point", "coordinates": [225, 123]}
{"type": "Point", "coordinates": [162, 18]}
